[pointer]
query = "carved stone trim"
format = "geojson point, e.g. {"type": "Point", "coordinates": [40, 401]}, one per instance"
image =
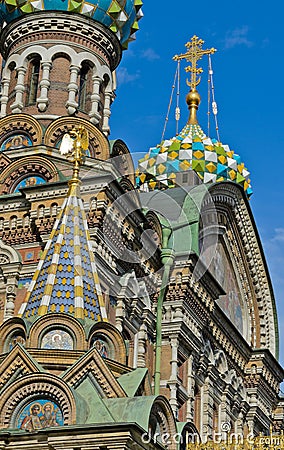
{"type": "Point", "coordinates": [8, 255]}
{"type": "Point", "coordinates": [21, 123]}
{"type": "Point", "coordinates": [265, 329]}
{"type": "Point", "coordinates": [63, 26]}
{"type": "Point", "coordinates": [112, 334]}
{"type": "Point", "coordinates": [162, 413]}
{"type": "Point", "coordinates": [98, 144]}
{"type": "Point", "coordinates": [8, 328]}
{"type": "Point", "coordinates": [52, 321]}
{"type": "Point", "coordinates": [18, 170]}
{"type": "Point", "coordinates": [33, 386]}
{"type": "Point", "coordinates": [92, 364]}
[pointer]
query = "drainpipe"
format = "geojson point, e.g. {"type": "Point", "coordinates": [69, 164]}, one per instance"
{"type": "Point", "coordinates": [167, 258]}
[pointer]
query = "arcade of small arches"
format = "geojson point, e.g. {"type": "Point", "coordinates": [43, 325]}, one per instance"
{"type": "Point", "coordinates": [28, 81]}
{"type": "Point", "coordinates": [63, 333]}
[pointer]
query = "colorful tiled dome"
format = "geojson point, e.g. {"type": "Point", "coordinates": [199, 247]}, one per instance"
{"type": "Point", "coordinates": [120, 16]}
{"type": "Point", "coordinates": [191, 150]}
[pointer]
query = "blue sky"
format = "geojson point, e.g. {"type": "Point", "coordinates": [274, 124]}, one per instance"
{"type": "Point", "coordinates": [248, 77]}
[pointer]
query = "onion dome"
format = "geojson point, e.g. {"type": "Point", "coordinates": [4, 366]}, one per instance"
{"type": "Point", "coordinates": [191, 149]}
{"type": "Point", "coordinates": [120, 16]}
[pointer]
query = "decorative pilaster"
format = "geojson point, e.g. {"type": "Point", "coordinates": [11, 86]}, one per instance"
{"type": "Point", "coordinates": [18, 104]}
{"type": "Point", "coordinates": [107, 113]}
{"type": "Point", "coordinates": [173, 381]}
{"type": "Point", "coordinates": [10, 296]}
{"type": "Point", "coordinates": [44, 85]}
{"type": "Point", "coordinates": [225, 425]}
{"type": "Point", "coordinates": [119, 314]}
{"type": "Point", "coordinates": [10, 266]}
{"type": "Point", "coordinates": [71, 103]}
{"type": "Point", "coordinates": [207, 411]}
{"type": "Point", "coordinates": [190, 389]}
{"type": "Point", "coordinates": [95, 99]}
{"type": "Point", "coordinates": [4, 96]}
{"type": "Point", "coordinates": [142, 336]}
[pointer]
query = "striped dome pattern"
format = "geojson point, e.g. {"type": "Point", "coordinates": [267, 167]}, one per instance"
{"type": "Point", "coordinates": [66, 279]}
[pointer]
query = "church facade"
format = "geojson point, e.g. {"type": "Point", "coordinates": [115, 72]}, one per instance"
{"type": "Point", "coordinates": [136, 305]}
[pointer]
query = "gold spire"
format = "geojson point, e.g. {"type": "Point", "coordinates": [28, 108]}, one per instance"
{"type": "Point", "coordinates": [193, 54]}
{"type": "Point", "coordinates": [74, 145]}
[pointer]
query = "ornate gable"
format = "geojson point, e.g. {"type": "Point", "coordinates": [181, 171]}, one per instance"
{"type": "Point", "coordinates": [17, 364]}
{"type": "Point", "coordinates": [93, 363]}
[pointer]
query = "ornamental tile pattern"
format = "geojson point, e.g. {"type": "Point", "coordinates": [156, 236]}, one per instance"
{"type": "Point", "coordinates": [191, 150]}
{"type": "Point", "coordinates": [120, 16]}
{"type": "Point", "coordinates": [66, 279]}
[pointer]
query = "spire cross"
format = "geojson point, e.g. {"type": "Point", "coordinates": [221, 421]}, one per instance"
{"type": "Point", "coordinates": [194, 53]}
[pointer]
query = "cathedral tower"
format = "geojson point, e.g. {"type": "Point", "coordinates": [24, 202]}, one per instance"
{"type": "Point", "coordinates": [122, 325]}
{"type": "Point", "coordinates": [74, 317]}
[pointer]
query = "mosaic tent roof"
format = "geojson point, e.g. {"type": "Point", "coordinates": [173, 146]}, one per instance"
{"type": "Point", "coordinates": [66, 279]}
{"type": "Point", "coordinates": [191, 149]}
{"type": "Point", "coordinates": [120, 16]}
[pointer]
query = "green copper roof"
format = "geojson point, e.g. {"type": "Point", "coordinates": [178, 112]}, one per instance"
{"type": "Point", "coordinates": [135, 409]}
{"type": "Point", "coordinates": [131, 381]}
{"type": "Point", "coordinates": [191, 149]}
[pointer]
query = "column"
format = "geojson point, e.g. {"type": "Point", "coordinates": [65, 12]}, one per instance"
{"type": "Point", "coordinates": [10, 299]}
{"type": "Point", "coordinates": [71, 103]}
{"type": "Point", "coordinates": [44, 85]}
{"type": "Point", "coordinates": [190, 389]}
{"type": "Point", "coordinates": [173, 381]}
{"type": "Point", "coordinates": [225, 423]}
{"type": "Point", "coordinates": [107, 112]}
{"type": "Point", "coordinates": [95, 100]}
{"type": "Point", "coordinates": [119, 314]}
{"type": "Point", "coordinates": [18, 104]}
{"type": "Point", "coordinates": [4, 96]}
{"type": "Point", "coordinates": [142, 336]}
{"type": "Point", "coordinates": [207, 410]}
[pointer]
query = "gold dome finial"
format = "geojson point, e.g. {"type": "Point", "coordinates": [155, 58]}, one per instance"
{"type": "Point", "coordinates": [193, 54]}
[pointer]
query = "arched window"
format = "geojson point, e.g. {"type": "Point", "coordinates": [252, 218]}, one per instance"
{"type": "Point", "coordinates": [102, 97]}
{"type": "Point", "coordinates": [12, 85]}
{"type": "Point", "coordinates": [40, 211]}
{"type": "Point", "coordinates": [13, 222]}
{"type": "Point", "coordinates": [57, 339]}
{"type": "Point", "coordinates": [93, 204]}
{"type": "Point", "coordinates": [53, 209]}
{"type": "Point", "coordinates": [33, 81]}
{"type": "Point", "coordinates": [85, 76]}
{"type": "Point", "coordinates": [26, 220]}
{"type": "Point", "coordinates": [17, 337]}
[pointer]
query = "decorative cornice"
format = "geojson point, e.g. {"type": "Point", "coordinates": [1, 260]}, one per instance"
{"type": "Point", "coordinates": [19, 123]}
{"type": "Point", "coordinates": [98, 144]}
{"type": "Point", "coordinates": [63, 26]}
{"type": "Point", "coordinates": [34, 385]}
{"type": "Point", "coordinates": [231, 195]}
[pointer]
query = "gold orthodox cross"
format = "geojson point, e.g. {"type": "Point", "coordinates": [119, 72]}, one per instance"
{"type": "Point", "coordinates": [193, 54]}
